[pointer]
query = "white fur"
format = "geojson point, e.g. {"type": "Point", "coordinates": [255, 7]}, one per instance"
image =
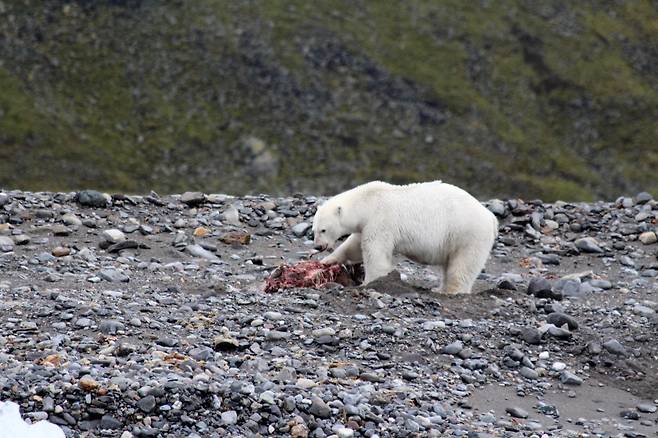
{"type": "Point", "coordinates": [432, 223]}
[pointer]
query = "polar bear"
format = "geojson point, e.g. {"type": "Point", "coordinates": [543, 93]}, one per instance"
{"type": "Point", "coordinates": [432, 223]}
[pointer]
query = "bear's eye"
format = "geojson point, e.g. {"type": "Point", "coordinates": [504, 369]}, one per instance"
{"type": "Point", "coordinates": [323, 230]}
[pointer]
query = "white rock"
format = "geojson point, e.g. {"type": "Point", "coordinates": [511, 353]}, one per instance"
{"type": "Point", "coordinates": [231, 216]}
{"type": "Point", "coordinates": [558, 366]}
{"type": "Point", "coordinates": [113, 236]}
{"type": "Point", "coordinates": [345, 432]}
{"type": "Point", "coordinates": [71, 219]}
{"type": "Point", "coordinates": [648, 238]}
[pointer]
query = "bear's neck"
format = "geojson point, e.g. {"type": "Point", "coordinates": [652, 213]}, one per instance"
{"type": "Point", "coordinates": [362, 202]}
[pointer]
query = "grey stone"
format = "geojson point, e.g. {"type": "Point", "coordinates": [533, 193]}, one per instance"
{"type": "Point", "coordinates": [110, 326]}
{"type": "Point", "coordinates": [646, 408]}
{"type": "Point", "coordinates": [193, 198]}
{"type": "Point", "coordinates": [569, 378]}
{"type": "Point", "coordinates": [71, 220]}
{"type": "Point", "coordinates": [231, 216]}
{"type": "Point", "coordinates": [529, 373]}
{"type": "Point", "coordinates": [109, 422]}
{"type": "Point", "coordinates": [146, 404]}
{"type": "Point", "coordinates": [643, 198]}
{"type": "Point", "coordinates": [112, 275]}
{"type": "Point", "coordinates": [641, 310]}
{"type": "Point", "coordinates": [588, 244]}
{"type": "Point", "coordinates": [83, 322]}
{"type": "Point", "coordinates": [113, 236]}
{"type": "Point", "coordinates": [319, 408]}
{"type": "Point", "coordinates": [300, 229]}
{"type": "Point", "coordinates": [497, 207]}
{"type": "Point", "coordinates": [92, 198]}
{"type": "Point", "coordinates": [229, 417]}
{"type": "Point", "coordinates": [615, 347]}
{"type": "Point", "coordinates": [453, 347]}
{"type": "Point", "coordinates": [166, 342]}
{"type": "Point", "coordinates": [531, 335]}
{"type": "Point", "coordinates": [559, 319]}
{"type": "Point", "coordinates": [629, 415]}
{"type": "Point", "coordinates": [6, 244]}
{"type": "Point", "coordinates": [199, 251]}
{"type": "Point", "coordinates": [601, 284]}
{"type": "Point", "coordinates": [516, 412]}
{"type": "Point", "coordinates": [540, 287]}
{"type": "Point", "coordinates": [202, 353]}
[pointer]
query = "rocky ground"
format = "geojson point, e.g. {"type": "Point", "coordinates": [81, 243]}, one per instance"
{"type": "Point", "coordinates": [144, 316]}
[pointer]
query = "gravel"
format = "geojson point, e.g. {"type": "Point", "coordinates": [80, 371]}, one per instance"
{"type": "Point", "coordinates": [169, 334]}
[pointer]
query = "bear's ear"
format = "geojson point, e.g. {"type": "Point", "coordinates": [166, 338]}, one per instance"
{"type": "Point", "coordinates": [339, 210]}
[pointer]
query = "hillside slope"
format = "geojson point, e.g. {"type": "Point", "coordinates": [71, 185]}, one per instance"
{"type": "Point", "coordinates": [507, 98]}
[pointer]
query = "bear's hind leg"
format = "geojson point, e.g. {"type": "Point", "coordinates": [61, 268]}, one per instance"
{"type": "Point", "coordinates": [463, 269]}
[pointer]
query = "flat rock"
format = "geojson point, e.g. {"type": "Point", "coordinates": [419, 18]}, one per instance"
{"type": "Point", "coordinates": [569, 378]}
{"type": "Point", "coordinates": [113, 236]}
{"type": "Point", "coordinates": [588, 244]}
{"type": "Point", "coordinates": [113, 275]}
{"type": "Point", "coordinates": [516, 412]}
{"type": "Point", "coordinates": [615, 347]}
{"type": "Point", "coordinates": [193, 198]}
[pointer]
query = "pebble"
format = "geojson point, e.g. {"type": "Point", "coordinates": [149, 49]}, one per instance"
{"type": "Point", "coordinates": [110, 327]}
{"type": "Point", "coordinates": [516, 412]}
{"type": "Point", "coordinates": [453, 348]}
{"type": "Point", "coordinates": [319, 408]}
{"type": "Point", "coordinates": [647, 408]}
{"type": "Point", "coordinates": [588, 245]}
{"type": "Point", "coordinates": [113, 275]}
{"type": "Point", "coordinates": [614, 346]}
{"type": "Point", "coordinates": [531, 335]}
{"type": "Point", "coordinates": [300, 229]}
{"type": "Point", "coordinates": [559, 319]}
{"type": "Point", "coordinates": [71, 220]}
{"type": "Point", "coordinates": [92, 198]}
{"type": "Point", "coordinates": [6, 244]}
{"type": "Point", "coordinates": [648, 238]}
{"type": "Point", "coordinates": [113, 236]}
{"type": "Point", "coordinates": [229, 417]}
{"type": "Point", "coordinates": [193, 199]}
{"type": "Point", "coordinates": [558, 366]}
{"type": "Point", "coordinates": [569, 378]}
{"type": "Point", "coordinates": [169, 343]}
{"type": "Point", "coordinates": [529, 373]}
{"type": "Point", "coordinates": [146, 404]}
{"type": "Point", "coordinates": [61, 251]}
{"type": "Point", "coordinates": [88, 384]}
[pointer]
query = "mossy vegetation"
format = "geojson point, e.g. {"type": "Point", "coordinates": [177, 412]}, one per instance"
{"type": "Point", "coordinates": [548, 101]}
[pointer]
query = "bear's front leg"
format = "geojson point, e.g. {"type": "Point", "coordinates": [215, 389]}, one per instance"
{"type": "Point", "coordinates": [348, 251]}
{"type": "Point", "coordinates": [377, 257]}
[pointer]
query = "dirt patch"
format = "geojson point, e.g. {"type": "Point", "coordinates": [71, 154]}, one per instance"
{"type": "Point", "coordinates": [598, 405]}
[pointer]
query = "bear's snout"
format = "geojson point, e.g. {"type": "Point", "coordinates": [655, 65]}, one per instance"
{"type": "Point", "coordinates": [320, 246]}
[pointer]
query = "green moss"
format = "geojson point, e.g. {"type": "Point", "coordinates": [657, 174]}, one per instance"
{"type": "Point", "coordinates": [160, 97]}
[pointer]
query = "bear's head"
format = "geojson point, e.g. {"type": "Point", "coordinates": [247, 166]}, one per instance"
{"type": "Point", "coordinates": [327, 225]}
